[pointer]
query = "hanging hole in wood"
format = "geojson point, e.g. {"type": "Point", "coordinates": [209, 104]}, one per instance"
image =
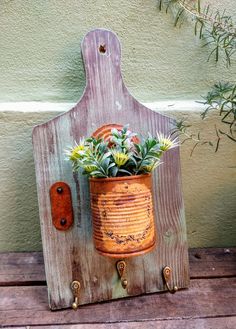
{"type": "Point", "coordinates": [102, 49]}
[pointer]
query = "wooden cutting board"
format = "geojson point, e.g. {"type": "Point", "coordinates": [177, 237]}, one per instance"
{"type": "Point", "coordinates": [70, 255]}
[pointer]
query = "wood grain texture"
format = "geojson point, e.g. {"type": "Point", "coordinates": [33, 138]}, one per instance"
{"type": "Point", "coordinates": [21, 268]}
{"type": "Point", "coordinates": [17, 327]}
{"type": "Point", "coordinates": [207, 323]}
{"type": "Point", "coordinates": [212, 262]}
{"type": "Point", "coordinates": [70, 255]}
{"type": "Point", "coordinates": [24, 268]}
{"type": "Point", "coordinates": [206, 298]}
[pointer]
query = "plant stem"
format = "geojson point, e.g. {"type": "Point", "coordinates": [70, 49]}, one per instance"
{"type": "Point", "coordinates": [194, 12]}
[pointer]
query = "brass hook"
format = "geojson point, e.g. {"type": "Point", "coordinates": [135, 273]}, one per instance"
{"type": "Point", "coordinates": [121, 268]}
{"type": "Point", "coordinates": [75, 287]}
{"type": "Point", "coordinates": [167, 276]}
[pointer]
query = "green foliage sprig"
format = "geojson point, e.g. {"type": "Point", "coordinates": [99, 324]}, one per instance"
{"type": "Point", "coordinates": [221, 99]}
{"type": "Point", "coordinates": [216, 28]}
{"type": "Point", "coordinates": [122, 154]}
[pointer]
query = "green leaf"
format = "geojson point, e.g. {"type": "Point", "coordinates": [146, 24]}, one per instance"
{"type": "Point", "coordinates": [179, 14]}
{"type": "Point", "coordinates": [97, 173]}
{"type": "Point", "coordinates": [111, 165]}
{"type": "Point", "coordinates": [104, 163]}
{"type": "Point", "coordinates": [114, 171]}
{"type": "Point", "coordinates": [199, 6]}
{"type": "Point", "coordinates": [133, 160]}
{"type": "Point", "coordinates": [125, 171]}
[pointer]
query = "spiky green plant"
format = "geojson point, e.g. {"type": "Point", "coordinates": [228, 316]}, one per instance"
{"type": "Point", "coordinates": [123, 154]}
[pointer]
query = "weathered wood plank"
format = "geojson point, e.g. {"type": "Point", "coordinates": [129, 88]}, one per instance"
{"type": "Point", "coordinates": [70, 255]}
{"type": "Point", "coordinates": [212, 262]}
{"type": "Point", "coordinates": [205, 323]}
{"type": "Point", "coordinates": [16, 327]}
{"type": "Point", "coordinates": [205, 298]}
{"type": "Point", "coordinates": [22, 268]}
{"type": "Point", "coordinates": [28, 268]}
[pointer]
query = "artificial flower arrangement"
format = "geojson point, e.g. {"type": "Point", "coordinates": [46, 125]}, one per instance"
{"type": "Point", "coordinates": [123, 154]}
{"type": "Point", "coordinates": [119, 169]}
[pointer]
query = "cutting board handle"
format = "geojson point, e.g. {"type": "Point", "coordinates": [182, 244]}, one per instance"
{"type": "Point", "coordinates": [101, 52]}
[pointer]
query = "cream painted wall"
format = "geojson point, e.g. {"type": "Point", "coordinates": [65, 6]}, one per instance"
{"type": "Point", "coordinates": [40, 50]}
{"type": "Point", "coordinates": [40, 61]}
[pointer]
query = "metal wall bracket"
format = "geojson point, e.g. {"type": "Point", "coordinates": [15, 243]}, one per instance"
{"type": "Point", "coordinates": [75, 287]}
{"type": "Point", "coordinates": [61, 206]}
{"type": "Point", "coordinates": [121, 269]}
{"type": "Point", "coordinates": [167, 277]}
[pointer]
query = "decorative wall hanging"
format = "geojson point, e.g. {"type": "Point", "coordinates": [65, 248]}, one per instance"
{"type": "Point", "coordinates": [81, 269]}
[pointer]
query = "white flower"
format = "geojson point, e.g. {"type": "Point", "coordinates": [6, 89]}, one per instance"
{"type": "Point", "coordinates": [165, 142]}
{"type": "Point", "coordinates": [78, 151]}
{"type": "Point", "coordinates": [120, 158]}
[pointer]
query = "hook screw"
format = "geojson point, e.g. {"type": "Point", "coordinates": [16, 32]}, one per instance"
{"type": "Point", "coordinates": [167, 277]}
{"type": "Point", "coordinates": [121, 269]}
{"type": "Point", "coordinates": [75, 287]}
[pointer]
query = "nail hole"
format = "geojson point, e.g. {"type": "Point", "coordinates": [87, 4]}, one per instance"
{"type": "Point", "coordinates": [59, 190]}
{"type": "Point", "coordinates": [198, 256]}
{"type": "Point", "coordinates": [63, 221]}
{"type": "Point", "coordinates": [102, 49]}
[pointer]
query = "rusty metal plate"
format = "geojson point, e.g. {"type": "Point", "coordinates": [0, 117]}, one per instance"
{"type": "Point", "coordinates": [105, 132]}
{"type": "Point", "coordinates": [61, 206]}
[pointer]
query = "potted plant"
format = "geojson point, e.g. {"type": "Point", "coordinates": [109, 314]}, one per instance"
{"type": "Point", "coordinates": [119, 166]}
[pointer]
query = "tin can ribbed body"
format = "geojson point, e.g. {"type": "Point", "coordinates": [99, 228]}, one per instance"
{"type": "Point", "coordinates": [122, 212]}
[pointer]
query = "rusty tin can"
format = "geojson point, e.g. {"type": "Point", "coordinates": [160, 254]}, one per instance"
{"type": "Point", "coordinates": [123, 217]}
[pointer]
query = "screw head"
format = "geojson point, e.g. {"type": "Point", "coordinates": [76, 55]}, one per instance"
{"type": "Point", "coordinates": [124, 283]}
{"type": "Point", "coordinates": [59, 190]}
{"type": "Point", "coordinates": [74, 306]}
{"type": "Point", "coordinates": [175, 288]}
{"type": "Point", "coordinates": [63, 221]}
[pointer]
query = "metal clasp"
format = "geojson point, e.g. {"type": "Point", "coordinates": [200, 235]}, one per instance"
{"type": "Point", "coordinates": [167, 277]}
{"type": "Point", "coordinates": [61, 206]}
{"type": "Point", "coordinates": [121, 269]}
{"type": "Point", "coordinates": [75, 287]}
